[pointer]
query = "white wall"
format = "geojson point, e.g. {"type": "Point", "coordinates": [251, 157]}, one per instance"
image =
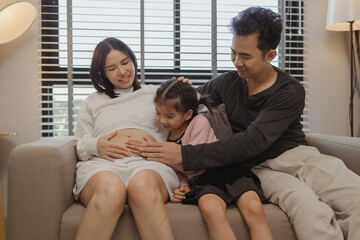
{"type": "Point", "coordinates": [19, 108]}
{"type": "Point", "coordinates": [327, 70]}
{"type": "Point", "coordinates": [329, 74]}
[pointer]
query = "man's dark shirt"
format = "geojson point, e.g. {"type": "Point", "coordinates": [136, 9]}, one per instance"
{"type": "Point", "coordinates": [265, 124]}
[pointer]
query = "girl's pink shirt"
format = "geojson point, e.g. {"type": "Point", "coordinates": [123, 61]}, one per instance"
{"type": "Point", "coordinates": [199, 131]}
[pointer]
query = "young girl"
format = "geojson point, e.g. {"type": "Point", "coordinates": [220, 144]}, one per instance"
{"type": "Point", "coordinates": [176, 105]}
{"type": "Point", "coordinates": [107, 175]}
{"type": "Point", "coordinates": [176, 110]}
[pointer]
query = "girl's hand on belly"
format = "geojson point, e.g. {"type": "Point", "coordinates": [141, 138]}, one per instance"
{"type": "Point", "coordinates": [110, 151]}
{"type": "Point", "coordinates": [134, 144]}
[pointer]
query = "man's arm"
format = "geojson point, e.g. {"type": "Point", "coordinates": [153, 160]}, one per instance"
{"type": "Point", "coordinates": [241, 147]}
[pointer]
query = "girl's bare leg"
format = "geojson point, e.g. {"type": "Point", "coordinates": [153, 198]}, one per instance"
{"type": "Point", "coordinates": [104, 196]}
{"type": "Point", "coordinates": [147, 194]}
{"type": "Point", "coordinates": [213, 210]}
{"type": "Point", "coordinates": [252, 210]}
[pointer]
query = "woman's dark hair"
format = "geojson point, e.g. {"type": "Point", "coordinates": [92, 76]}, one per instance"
{"type": "Point", "coordinates": [97, 69]}
{"type": "Point", "coordinates": [259, 20]}
{"type": "Point", "coordinates": [181, 96]}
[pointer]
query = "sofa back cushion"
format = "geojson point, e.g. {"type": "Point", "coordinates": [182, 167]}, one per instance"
{"type": "Point", "coordinates": [218, 121]}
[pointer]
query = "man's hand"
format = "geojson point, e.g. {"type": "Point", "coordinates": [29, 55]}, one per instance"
{"type": "Point", "coordinates": [134, 144]}
{"type": "Point", "coordinates": [182, 79]}
{"type": "Point", "coordinates": [165, 152]}
{"type": "Point", "coordinates": [108, 150]}
{"type": "Point", "coordinates": [179, 194]}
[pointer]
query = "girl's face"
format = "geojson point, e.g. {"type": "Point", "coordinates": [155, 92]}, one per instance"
{"type": "Point", "coordinates": [170, 119]}
{"type": "Point", "coordinates": [119, 69]}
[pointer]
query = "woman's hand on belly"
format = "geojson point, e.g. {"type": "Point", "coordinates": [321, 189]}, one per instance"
{"type": "Point", "coordinates": [137, 136]}
{"type": "Point", "coordinates": [109, 150]}
{"type": "Point", "coordinates": [134, 144]}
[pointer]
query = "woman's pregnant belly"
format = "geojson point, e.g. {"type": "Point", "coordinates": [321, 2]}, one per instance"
{"type": "Point", "coordinates": [124, 135]}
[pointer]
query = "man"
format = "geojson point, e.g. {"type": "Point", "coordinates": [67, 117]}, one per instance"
{"type": "Point", "coordinates": [264, 106]}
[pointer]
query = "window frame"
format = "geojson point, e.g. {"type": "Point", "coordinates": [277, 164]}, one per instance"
{"type": "Point", "coordinates": [291, 52]}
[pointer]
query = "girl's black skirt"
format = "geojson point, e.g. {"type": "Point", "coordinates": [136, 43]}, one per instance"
{"type": "Point", "coordinates": [229, 183]}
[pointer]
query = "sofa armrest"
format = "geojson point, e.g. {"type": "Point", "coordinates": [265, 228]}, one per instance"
{"type": "Point", "coordinates": [344, 148]}
{"type": "Point", "coordinates": [41, 178]}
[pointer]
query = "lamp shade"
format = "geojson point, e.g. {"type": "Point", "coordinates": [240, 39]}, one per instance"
{"type": "Point", "coordinates": [15, 19]}
{"type": "Point", "coordinates": [340, 12]}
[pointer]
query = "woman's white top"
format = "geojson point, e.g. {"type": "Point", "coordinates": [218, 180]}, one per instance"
{"type": "Point", "coordinates": [100, 115]}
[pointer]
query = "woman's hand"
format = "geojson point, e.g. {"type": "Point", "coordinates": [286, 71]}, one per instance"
{"type": "Point", "coordinates": [108, 150]}
{"type": "Point", "coordinates": [179, 194]}
{"type": "Point", "coordinates": [134, 144]}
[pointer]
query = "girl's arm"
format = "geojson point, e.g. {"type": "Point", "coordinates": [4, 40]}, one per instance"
{"type": "Point", "coordinates": [183, 179]}
{"type": "Point", "coordinates": [199, 131]}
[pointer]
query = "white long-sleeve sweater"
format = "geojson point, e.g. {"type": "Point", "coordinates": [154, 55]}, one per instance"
{"type": "Point", "coordinates": [100, 115]}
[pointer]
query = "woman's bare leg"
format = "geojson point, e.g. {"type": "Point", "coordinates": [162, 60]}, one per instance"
{"type": "Point", "coordinates": [147, 194]}
{"type": "Point", "coordinates": [213, 210]}
{"type": "Point", "coordinates": [104, 196]}
{"type": "Point", "coordinates": [252, 210]}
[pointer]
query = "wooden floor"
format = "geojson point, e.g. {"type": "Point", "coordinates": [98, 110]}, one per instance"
{"type": "Point", "coordinates": [2, 222]}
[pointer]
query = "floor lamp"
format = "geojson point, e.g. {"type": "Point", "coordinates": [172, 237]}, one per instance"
{"type": "Point", "coordinates": [344, 15]}
{"type": "Point", "coordinates": [15, 19]}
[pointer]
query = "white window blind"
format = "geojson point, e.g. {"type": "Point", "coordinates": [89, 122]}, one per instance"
{"type": "Point", "coordinates": [292, 48]}
{"type": "Point", "coordinates": [169, 37]}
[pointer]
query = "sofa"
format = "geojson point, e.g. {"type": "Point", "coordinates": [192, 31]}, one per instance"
{"type": "Point", "coordinates": [41, 206]}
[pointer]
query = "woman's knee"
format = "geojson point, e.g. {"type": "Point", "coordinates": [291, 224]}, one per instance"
{"type": "Point", "coordinates": [109, 194]}
{"type": "Point", "coordinates": [145, 184]}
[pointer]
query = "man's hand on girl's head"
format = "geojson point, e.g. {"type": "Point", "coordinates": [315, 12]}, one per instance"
{"type": "Point", "coordinates": [182, 79]}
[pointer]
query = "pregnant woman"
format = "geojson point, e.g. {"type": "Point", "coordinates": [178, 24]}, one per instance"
{"type": "Point", "coordinates": [108, 175]}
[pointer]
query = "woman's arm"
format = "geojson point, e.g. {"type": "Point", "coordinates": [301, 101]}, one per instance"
{"type": "Point", "coordinates": [85, 141]}
{"type": "Point", "coordinates": [88, 145]}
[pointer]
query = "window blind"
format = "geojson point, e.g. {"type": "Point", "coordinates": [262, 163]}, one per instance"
{"type": "Point", "coordinates": [169, 38]}
{"type": "Point", "coordinates": [292, 48]}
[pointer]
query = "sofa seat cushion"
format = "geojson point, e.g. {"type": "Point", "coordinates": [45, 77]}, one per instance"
{"type": "Point", "coordinates": [186, 222]}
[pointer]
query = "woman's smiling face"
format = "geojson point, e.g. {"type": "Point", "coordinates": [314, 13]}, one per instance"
{"type": "Point", "coordinates": [119, 69]}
